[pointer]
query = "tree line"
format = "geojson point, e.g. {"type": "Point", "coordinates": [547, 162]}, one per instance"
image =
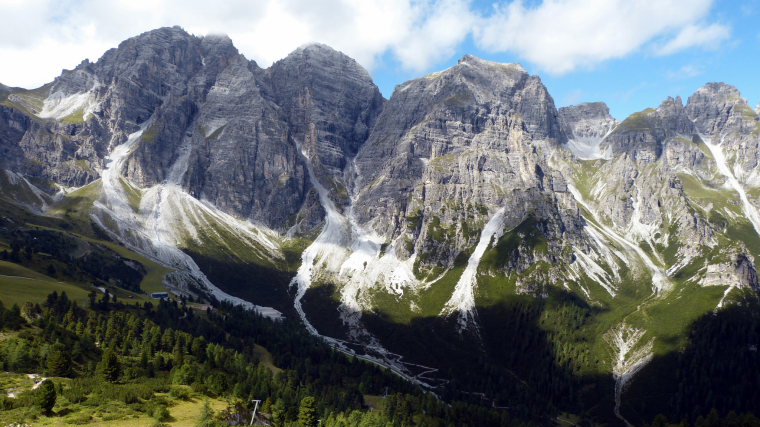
{"type": "Point", "coordinates": [113, 351]}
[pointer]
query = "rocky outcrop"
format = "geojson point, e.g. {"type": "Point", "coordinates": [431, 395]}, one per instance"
{"type": "Point", "coordinates": [451, 148]}
{"type": "Point", "coordinates": [643, 135]}
{"type": "Point", "coordinates": [42, 149]}
{"type": "Point", "coordinates": [723, 116]}
{"type": "Point", "coordinates": [330, 104]}
{"type": "Point", "coordinates": [739, 271]}
{"type": "Point", "coordinates": [587, 120]}
{"type": "Point", "coordinates": [585, 126]}
{"type": "Point", "coordinates": [716, 107]}
{"type": "Point", "coordinates": [13, 126]}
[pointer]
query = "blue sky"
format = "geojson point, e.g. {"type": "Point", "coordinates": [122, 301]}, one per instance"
{"type": "Point", "coordinates": [641, 78]}
{"type": "Point", "coordinates": [630, 54]}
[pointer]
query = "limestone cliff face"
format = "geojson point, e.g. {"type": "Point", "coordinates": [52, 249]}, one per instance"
{"type": "Point", "coordinates": [673, 179]}
{"type": "Point", "coordinates": [585, 126]}
{"type": "Point", "coordinates": [423, 172]}
{"type": "Point", "coordinates": [721, 115]}
{"type": "Point", "coordinates": [449, 150]}
{"type": "Point", "coordinates": [330, 105]}
{"type": "Point", "coordinates": [644, 134]}
{"type": "Point", "coordinates": [718, 107]}
{"type": "Point", "coordinates": [215, 123]}
{"type": "Point", "coordinates": [588, 120]}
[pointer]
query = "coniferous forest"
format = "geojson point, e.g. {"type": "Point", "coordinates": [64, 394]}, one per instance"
{"type": "Point", "coordinates": [142, 358]}
{"type": "Point", "coordinates": [145, 358]}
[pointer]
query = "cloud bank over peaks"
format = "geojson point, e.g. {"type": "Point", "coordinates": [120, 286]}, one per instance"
{"type": "Point", "coordinates": [563, 35]}
{"type": "Point", "coordinates": [558, 36]}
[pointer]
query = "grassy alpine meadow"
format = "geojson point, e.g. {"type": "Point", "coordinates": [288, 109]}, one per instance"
{"type": "Point", "coordinates": [183, 407]}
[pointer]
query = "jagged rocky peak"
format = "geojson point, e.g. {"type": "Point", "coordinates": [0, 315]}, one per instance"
{"type": "Point", "coordinates": [715, 92]}
{"type": "Point", "coordinates": [218, 42]}
{"type": "Point", "coordinates": [167, 51]}
{"type": "Point", "coordinates": [324, 56]}
{"type": "Point", "coordinates": [163, 76]}
{"type": "Point", "coordinates": [441, 114]}
{"type": "Point", "coordinates": [451, 148]}
{"type": "Point", "coordinates": [129, 82]}
{"type": "Point", "coordinates": [475, 61]}
{"type": "Point", "coordinates": [330, 102]}
{"type": "Point", "coordinates": [159, 60]}
{"type": "Point", "coordinates": [713, 109]}
{"type": "Point", "coordinates": [80, 79]}
{"type": "Point", "coordinates": [673, 117]}
{"type": "Point", "coordinates": [478, 80]}
{"type": "Point", "coordinates": [313, 61]}
{"type": "Point", "coordinates": [582, 114]}
{"type": "Point", "coordinates": [642, 135]}
{"type": "Point", "coordinates": [474, 87]}
{"type": "Point", "coordinates": [209, 117]}
{"type": "Point", "coordinates": [172, 45]}
{"type": "Point", "coordinates": [719, 106]}
{"type": "Point", "coordinates": [584, 126]}
{"type": "Point", "coordinates": [166, 57]}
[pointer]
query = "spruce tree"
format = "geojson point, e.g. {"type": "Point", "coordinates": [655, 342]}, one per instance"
{"type": "Point", "coordinates": [278, 413]}
{"type": "Point", "coordinates": [92, 296]}
{"type": "Point", "coordinates": [110, 368]}
{"type": "Point", "coordinates": [307, 412]}
{"type": "Point", "coordinates": [207, 416]}
{"type": "Point", "coordinates": [59, 361]}
{"type": "Point", "coordinates": [45, 396]}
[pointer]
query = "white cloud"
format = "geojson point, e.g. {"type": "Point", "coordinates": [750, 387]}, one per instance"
{"type": "Point", "coordinates": [40, 37]}
{"type": "Point", "coordinates": [685, 72]}
{"type": "Point", "coordinates": [563, 35]}
{"type": "Point", "coordinates": [439, 29]}
{"type": "Point", "coordinates": [695, 36]}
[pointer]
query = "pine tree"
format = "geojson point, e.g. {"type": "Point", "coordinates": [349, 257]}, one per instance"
{"type": "Point", "coordinates": [59, 361]}
{"type": "Point", "coordinates": [45, 396]}
{"type": "Point", "coordinates": [92, 296]}
{"type": "Point", "coordinates": [110, 368]}
{"type": "Point", "coordinates": [278, 412]}
{"type": "Point", "coordinates": [307, 413]}
{"type": "Point", "coordinates": [207, 416]}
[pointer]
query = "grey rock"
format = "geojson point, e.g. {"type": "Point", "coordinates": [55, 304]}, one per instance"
{"type": "Point", "coordinates": [424, 170]}
{"type": "Point", "coordinates": [716, 106]}
{"type": "Point", "coordinates": [330, 104]}
{"type": "Point", "coordinates": [214, 119]}
{"type": "Point", "coordinates": [587, 120]}
{"type": "Point", "coordinates": [451, 148]}
{"type": "Point", "coordinates": [644, 134]}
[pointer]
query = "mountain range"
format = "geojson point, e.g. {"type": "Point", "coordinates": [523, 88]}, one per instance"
{"type": "Point", "coordinates": [466, 233]}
